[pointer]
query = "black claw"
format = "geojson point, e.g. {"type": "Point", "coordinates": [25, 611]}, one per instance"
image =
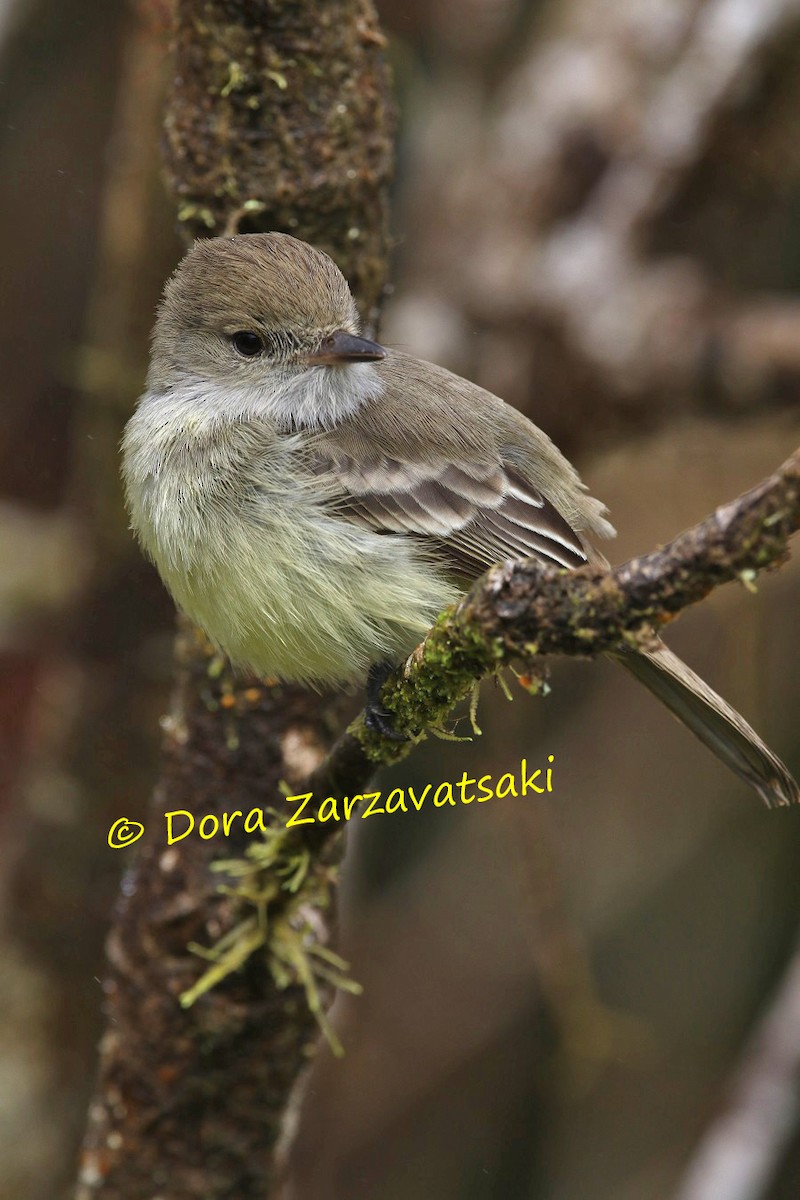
{"type": "Point", "coordinates": [376, 717]}
{"type": "Point", "coordinates": [378, 720]}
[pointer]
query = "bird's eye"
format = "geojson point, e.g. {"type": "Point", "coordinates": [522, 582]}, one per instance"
{"type": "Point", "coordinates": [247, 343]}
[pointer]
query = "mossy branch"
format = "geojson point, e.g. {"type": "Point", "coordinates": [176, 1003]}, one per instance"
{"type": "Point", "coordinates": [522, 611]}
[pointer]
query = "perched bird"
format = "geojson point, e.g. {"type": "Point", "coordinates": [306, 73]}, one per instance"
{"type": "Point", "coordinates": [313, 500]}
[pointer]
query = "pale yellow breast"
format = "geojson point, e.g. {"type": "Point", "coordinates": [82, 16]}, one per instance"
{"type": "Point", "coordinates": [243, 540]}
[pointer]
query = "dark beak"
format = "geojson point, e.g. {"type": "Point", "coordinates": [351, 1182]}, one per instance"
{"type": "Point", "coordinates": [343, 347]}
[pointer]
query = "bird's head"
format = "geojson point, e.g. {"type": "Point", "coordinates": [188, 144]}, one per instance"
{"type": "Point", "coordinates": [266, 320]}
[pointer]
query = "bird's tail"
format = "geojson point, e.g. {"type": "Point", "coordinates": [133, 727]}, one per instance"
{"type": "Point", "coordinates": [713, 721]}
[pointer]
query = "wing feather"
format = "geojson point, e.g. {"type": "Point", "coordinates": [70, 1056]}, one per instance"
{"type": "Point", "coordinates": [472, 514]}
{"type": "Point", "coordinates": [495, 488]}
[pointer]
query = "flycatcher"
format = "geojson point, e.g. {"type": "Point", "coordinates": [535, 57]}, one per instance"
{"type": "Point", "coordinates": [313, 500]}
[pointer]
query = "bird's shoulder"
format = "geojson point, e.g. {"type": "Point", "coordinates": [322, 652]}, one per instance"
{"type": "Point", "coordinates": [437, 456]}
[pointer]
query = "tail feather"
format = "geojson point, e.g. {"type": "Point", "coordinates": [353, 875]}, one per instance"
{"type": "Point", "coordinates": [713, 721]}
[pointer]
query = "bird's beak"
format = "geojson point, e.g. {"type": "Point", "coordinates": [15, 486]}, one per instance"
{"type": "Point", "coordinates": [344, 347]}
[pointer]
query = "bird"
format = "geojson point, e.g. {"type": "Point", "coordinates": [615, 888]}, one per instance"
{"type": "Point", "coordinates": [314, 499]}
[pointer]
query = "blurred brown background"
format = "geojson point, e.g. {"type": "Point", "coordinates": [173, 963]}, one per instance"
{"type": "Point", "coordinates": [597, 213]}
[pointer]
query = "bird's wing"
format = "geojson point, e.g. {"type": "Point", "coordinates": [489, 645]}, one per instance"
{"type": "Point", "coordinates": [474, 513]}
{"type": "Point", "coordinates": [468, 474]}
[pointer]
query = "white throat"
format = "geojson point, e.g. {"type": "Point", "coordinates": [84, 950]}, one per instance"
{"type": "Point", "coordinates": [319, 397]}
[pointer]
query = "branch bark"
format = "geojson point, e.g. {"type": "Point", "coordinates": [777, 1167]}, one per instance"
{"type": "Point", "coordinates": [278, 118]}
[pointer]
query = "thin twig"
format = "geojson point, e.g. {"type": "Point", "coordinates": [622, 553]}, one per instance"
{"type": "Point", "coordinates": [739, 1155]}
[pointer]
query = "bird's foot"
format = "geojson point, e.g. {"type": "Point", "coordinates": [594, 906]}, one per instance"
{"type": "Point", "coordinates": [376, 717]}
